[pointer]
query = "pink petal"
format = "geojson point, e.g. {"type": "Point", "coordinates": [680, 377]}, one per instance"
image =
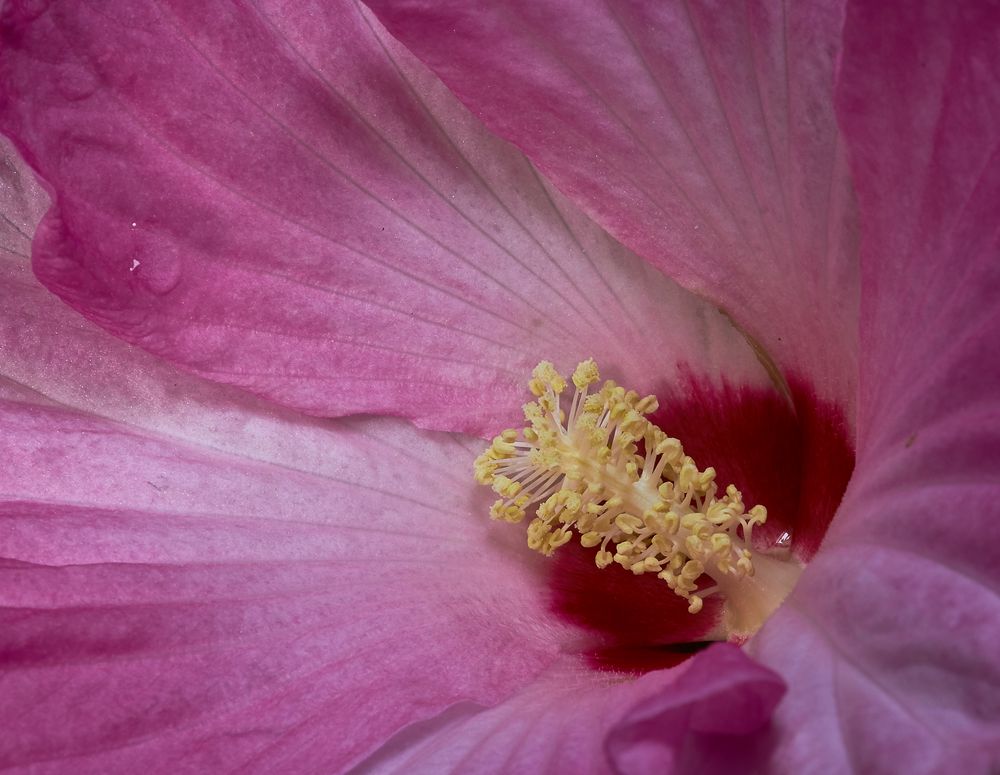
{"type": "Point", "coordinates": [889, 645]}
{"type": "Point", "coordinates": [709, 715]}
{"type": "Point", "coordinates": [192, 580]}
{"type": "Point", "coordinates": [280, 197]}
{"type": "Point", "coordinates": [702, 137]}
{"type": "Point", "coordinates": [713, 719]}
{"type": "Point", "coordinates": [556, 725]}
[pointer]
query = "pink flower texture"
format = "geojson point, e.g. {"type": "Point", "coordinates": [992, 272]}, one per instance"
{"type": "Point", "coordinates": [275, 270]}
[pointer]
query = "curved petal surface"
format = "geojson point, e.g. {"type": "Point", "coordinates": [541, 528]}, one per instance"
{"type": "Point", "coordinates": [708, 715]}
{"type": "Point", "coordinates": [194, 580]}
{"type": "Point", "coordinates": [279, 196]}
{"type": "Point", "coordinates": [557, 724]}
{"type": "Point", "coordinates": [701, 135]}
{"type": "Point", "coordinates": [889, 645]}
{"type": "Point", "coordinates": [713, 720]}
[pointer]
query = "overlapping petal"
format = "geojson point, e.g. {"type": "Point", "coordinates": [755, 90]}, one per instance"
{"type": "Point", "coordinates": [279, 196]}
{"type": "Point", "coordinates": [192, 577]}
{"type": "Point", "coordinates": [701, 135]}
{"type": "Point", "coordinates": [557, 724]}
{"type": "Point", "coordinates": [889, 643]}
{"type": "Point", "coordinates": [709, 715]}
{"type": "Point", "coordinates": [199, 577]}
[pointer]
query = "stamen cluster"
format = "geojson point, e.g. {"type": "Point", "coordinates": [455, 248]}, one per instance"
{"type": "Point", "coordinates": [623, 485]}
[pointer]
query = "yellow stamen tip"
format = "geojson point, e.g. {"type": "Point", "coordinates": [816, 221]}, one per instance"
{"type": "Point", "coordinates": [586, 374]}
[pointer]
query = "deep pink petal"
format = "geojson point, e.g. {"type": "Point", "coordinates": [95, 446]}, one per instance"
{"type": "Point", "coordinates": [701, 135]}
{"type": "Point", "coordinates": [280, 197]}
{"type": "Point", "coordinates": [889, 645]}
{"type": "Point", "coordinates": [193, 580]}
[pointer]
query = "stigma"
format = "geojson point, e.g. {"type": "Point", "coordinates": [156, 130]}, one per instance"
{"type": "Point", "coordinates": [590, 466]}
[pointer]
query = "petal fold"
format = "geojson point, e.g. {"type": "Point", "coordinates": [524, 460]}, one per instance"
{"type": "Point", "coordinates": [282, 198]}
{"type": "Point", "coordinates": [888, 644]}
{"type": "Point", "coordinates": [193, 579]}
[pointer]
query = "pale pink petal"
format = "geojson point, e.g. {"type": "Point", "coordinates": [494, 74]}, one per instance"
{"type": "Point", "coordinates": [707, 716]}
{"type": "Point", "coordinates": [278, 196]}
{"type": "Point", "coordinates": [557, 724]}
{"type": "Point", "coordinates": [889, 645]}
{"type": "Point", "coordinates": [193, 580]}
{"type": "Point", "coordinates": [701, 135]}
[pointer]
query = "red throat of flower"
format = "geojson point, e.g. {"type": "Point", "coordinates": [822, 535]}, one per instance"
{"type": "Point", "coordinates": [607, 487]}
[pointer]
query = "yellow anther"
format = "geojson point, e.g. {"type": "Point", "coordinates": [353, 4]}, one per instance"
{"type": "Point", "coordinates": [719, 513]}
{"type": "Point", "coordinates": [560, 538]}
{"type": "Point", "coordinates": [502, 485]}
{"type": "Point", "coordinates": [648, 405]}
{"type": "Point", "coordinates": [654, 522]}
{"type": "Point", "coordinates": [503, 449]}
{"type": "Point", "coordinates": [692, 569]}
{"type": "Point", "coordinates": [548, 403]}
{"type": "Point", "coordinates": [579, 460]}
{"type": "Point", "coordinates": [686, 479]}
{"type": "Point", "coordinates": [721, 543]}
{"type": "Point", "coordinates": [628, 523]}
{"type": "Point", "coordinates": [663, 545]}
{"type": "Point", "coordinates": [508, 512]}
{"type": "Point", "coordinates": [671, 449]}
{"type": "Point", "coordinates": [586, 374]}
{"type": "Point", "coordinates": [546, 374]}
{"type": "Point", "coordinates": [651, 564]}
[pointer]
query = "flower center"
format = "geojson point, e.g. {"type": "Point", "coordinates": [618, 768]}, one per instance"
{"type": "Point", "coordinates": [604, 471]}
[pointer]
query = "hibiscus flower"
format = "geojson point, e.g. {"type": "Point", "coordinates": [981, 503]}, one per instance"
{"type": "Point", "coordinates": [291, 262]}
